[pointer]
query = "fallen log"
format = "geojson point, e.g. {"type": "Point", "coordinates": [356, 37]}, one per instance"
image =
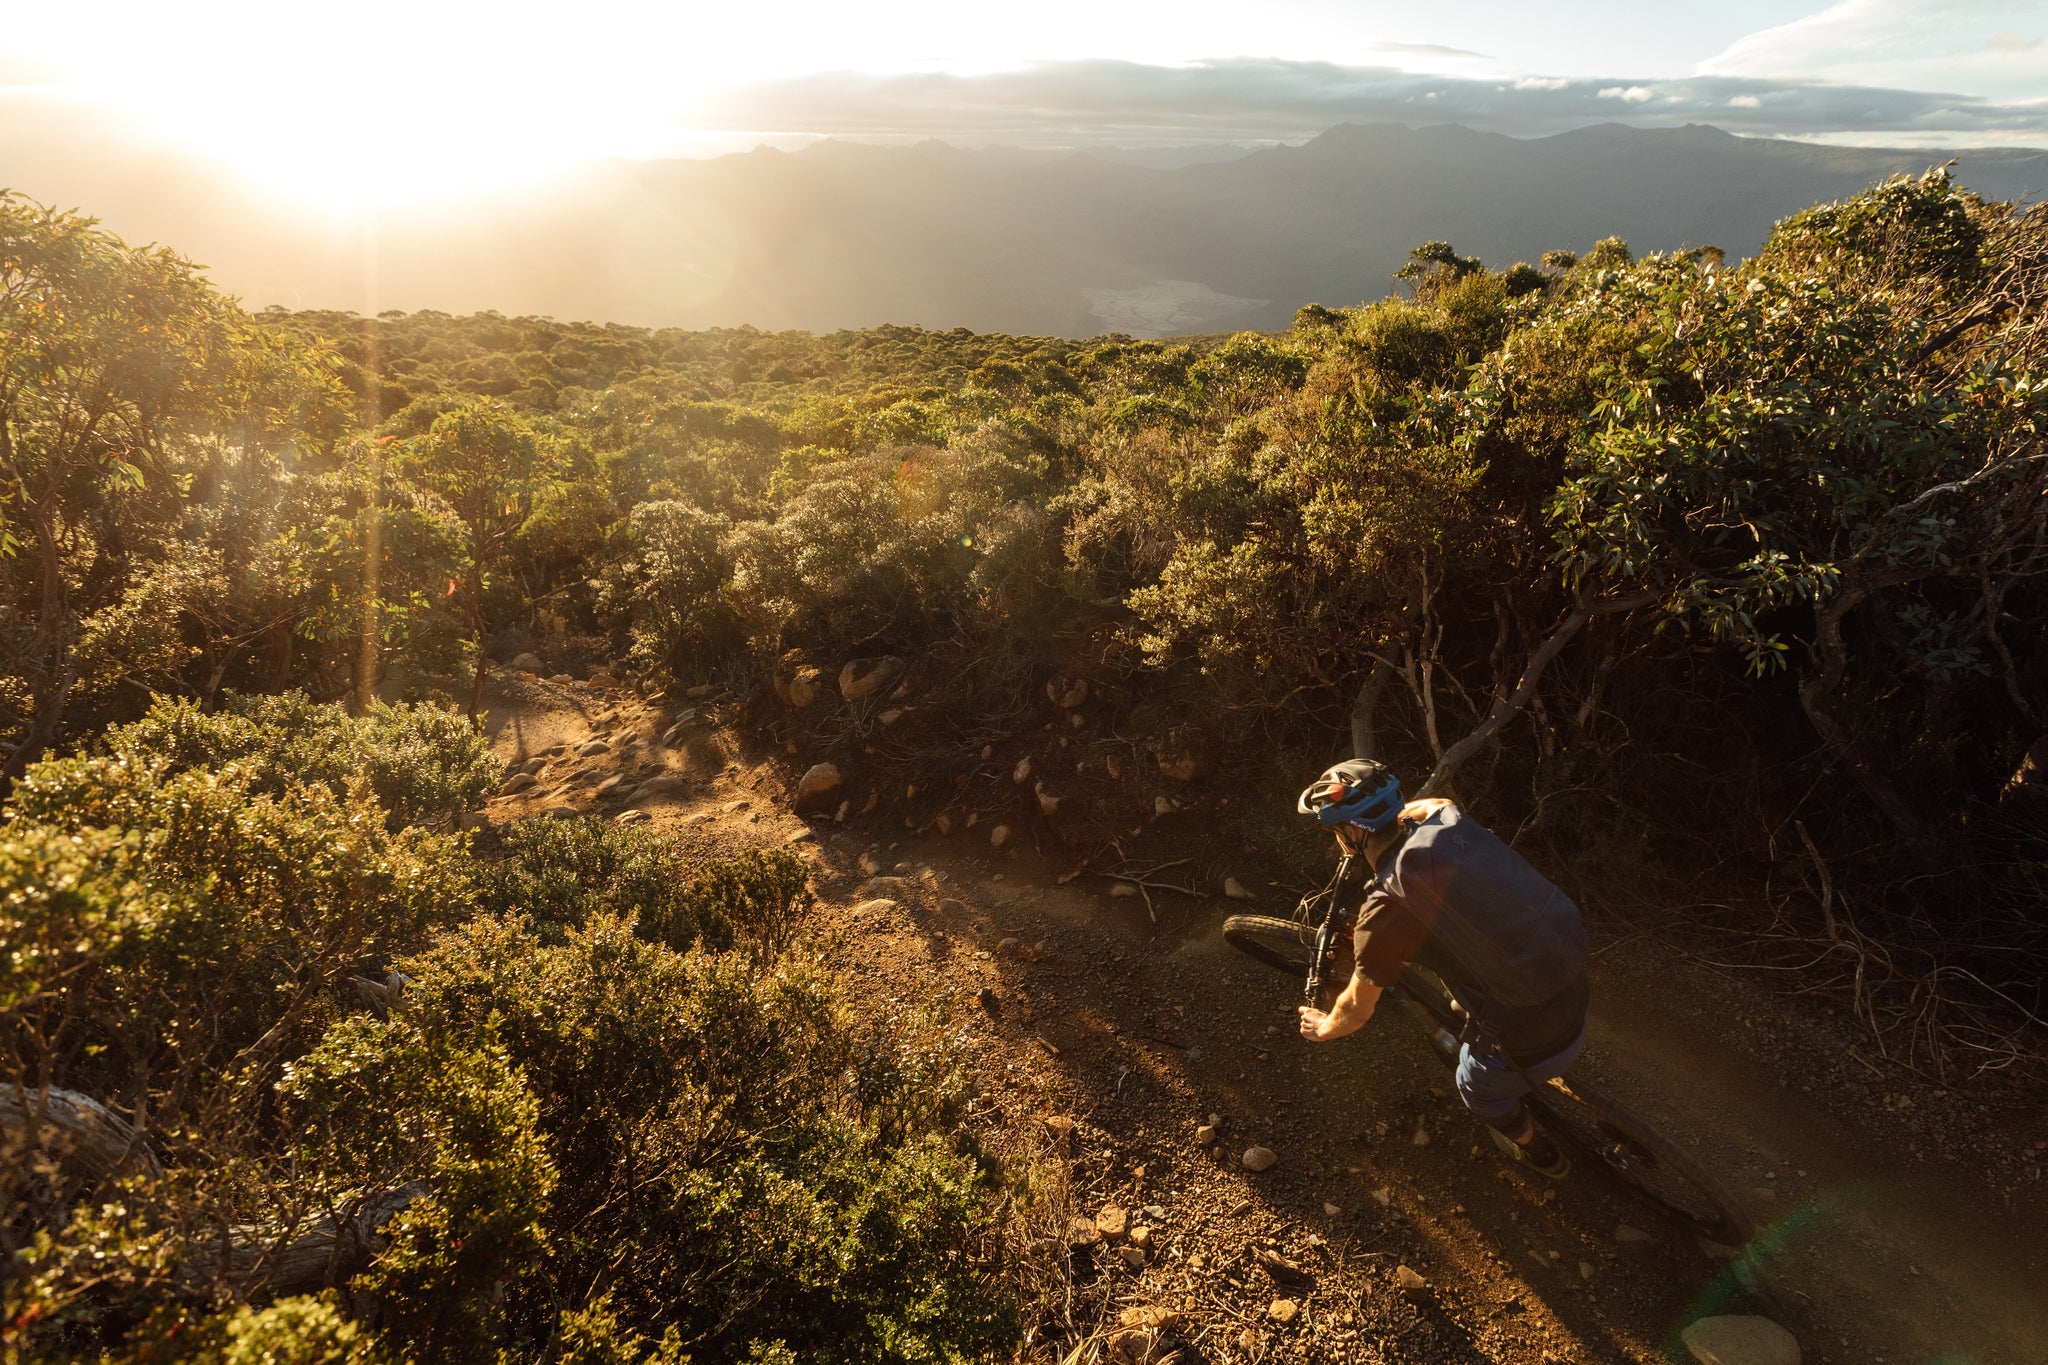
{"type": "Point", "coordinates": [81, 1144]}
{"type": "Point", "coordinates": [76, 1134]}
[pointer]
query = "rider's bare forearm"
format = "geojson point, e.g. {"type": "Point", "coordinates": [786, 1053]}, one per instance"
{"type": "Point", "coordinates": [1347, 1013]}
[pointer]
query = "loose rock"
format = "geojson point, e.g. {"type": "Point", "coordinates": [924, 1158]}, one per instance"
{"type": "Point", "coordinates": [1636, 1236]}
{"type": "Point", "coordinates": [1409, 1282]}
{"type": "Point", "coordinates": [1283, 1311]}
{"type": "Point", "coordinates": [1022, 772]}
{"type": "Point", "coordinates": [635, 816]}
{"type": "Point", "coordinates": [1278, 1266]}
{"type": "Point", "coordinates": [1259, 1158]}
{"type": "Point", "coordinates": [1205, 1133]}
{"type": "Point", "coordinates": [592, 748]}
{"type": "Point", "coordinates": [1150, 1318]}
{"type": "Point", "coordinates": [529, 662]}
{"type": "Point", "coordinates": [1234, 889]}
{"type": "Point", "coordinates": [819, 786]}
{"type": "Point", "coordinates": [1132, 1257]}
{"type": "Point", "coordinates": [518, 783]}
{"type": "Point", "coordinates": [658, 786]}
{"type": "Point", "coordinates": [1112, 1221]}
{"type": "Point", "coordinates": [1740, 1340]}
{"type": "Point", "coordinates": [1141, 1237]}
{"type": "Point", "coordinates": [999, 836]}
{"type": "Point", "coordinates": [856, 682]}
{"type": "Point", "coordinates": [1123, 890]}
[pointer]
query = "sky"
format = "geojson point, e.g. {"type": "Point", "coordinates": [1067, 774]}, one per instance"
{"type": "Point", "coordinates": [375, 100]}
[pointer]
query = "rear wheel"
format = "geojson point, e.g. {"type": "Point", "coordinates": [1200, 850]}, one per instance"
{"type": "Point", "coordinates": [1578, 1112]}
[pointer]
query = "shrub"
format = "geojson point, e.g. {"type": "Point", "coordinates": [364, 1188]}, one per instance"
{"type": "Point", "coordinates": [764, 895]}
{"type": "Point", "coordinates": [420, 761]}
{"type": "Point", "coordinates": [561, 872]}
{"type": "Point", "coordinates": [743, 1162]}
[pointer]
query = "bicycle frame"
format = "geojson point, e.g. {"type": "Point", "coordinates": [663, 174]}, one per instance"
{"type": "Point", "coordinates": [1312, 988]}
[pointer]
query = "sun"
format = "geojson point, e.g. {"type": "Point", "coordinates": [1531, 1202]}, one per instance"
{"type": "Point", "coordinates": [376, 102]}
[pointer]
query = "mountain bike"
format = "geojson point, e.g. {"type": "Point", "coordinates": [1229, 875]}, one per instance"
{"type": "Point", "coordinates": [1574, 1110]}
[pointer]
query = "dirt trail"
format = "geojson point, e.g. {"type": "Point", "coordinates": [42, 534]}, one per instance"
{"type": "Point", "coordinates": [1901, 1225]}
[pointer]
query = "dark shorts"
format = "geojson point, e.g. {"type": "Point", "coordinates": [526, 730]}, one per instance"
{"type": "Point", "coordinates": [1492, 1086]}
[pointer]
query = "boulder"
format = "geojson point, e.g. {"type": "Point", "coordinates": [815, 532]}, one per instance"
{"type": "Point", "coordinates": [600, 678]}
{"type": "Point", "coordinates": [592, 748]}
{"type": "Point", "coordinates": [801, 690]}
{"type": "Point", "coordinates": [529, 662]}
{"type": "Point", "coordinates": [518, 783]}
{"type": "Point", "coordinates": [669, 785]}
{"type": "Point", "coordinates": [1066, 692]}
{"type": "Point", "coordinates": [818, 787]}
{"type": "Point", "coordinates": [1740, 1340]}
{"type": "Point", "coordinates": [860, 677]}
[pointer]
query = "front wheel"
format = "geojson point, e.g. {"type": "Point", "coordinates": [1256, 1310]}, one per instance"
{"type": "Point", "coordinates": [1285, 945]}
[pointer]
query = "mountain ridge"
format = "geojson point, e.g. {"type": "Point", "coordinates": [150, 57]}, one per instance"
{"type": "Point", "coordinates": [845, 234]}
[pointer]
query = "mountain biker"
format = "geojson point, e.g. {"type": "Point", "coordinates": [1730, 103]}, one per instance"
{"type": "Point", "coordinates": [1450, 895]}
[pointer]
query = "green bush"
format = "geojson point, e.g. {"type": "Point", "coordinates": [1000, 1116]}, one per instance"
{"type": "Point", "coordinates": [421, 762]}
{"type": "Point", "coordinates": [559, 873]}
{"type": "Point", "coordinates": [743, 1161]}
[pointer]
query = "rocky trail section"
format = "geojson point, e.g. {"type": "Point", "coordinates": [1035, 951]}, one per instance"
{"type": "Point", "coordinates": [1148, 1076]}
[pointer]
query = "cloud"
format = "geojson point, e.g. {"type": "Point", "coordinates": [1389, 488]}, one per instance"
{"type": "Point", "coordinates": [1086, 103]}
{"type": "Point", "coordinates": [1993, 48]}
{"type": "Point", "coordinates": [1431, 50]}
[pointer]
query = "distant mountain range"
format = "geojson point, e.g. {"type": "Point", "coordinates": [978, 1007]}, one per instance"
{"type": "Point", "coordinates": [849, 235]}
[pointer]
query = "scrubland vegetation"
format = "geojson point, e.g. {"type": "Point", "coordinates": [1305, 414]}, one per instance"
{"type": "Point", "coordinates": [1719, 586]}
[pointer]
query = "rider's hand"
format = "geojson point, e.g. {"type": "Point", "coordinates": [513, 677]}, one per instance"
{"type": "Point", "coordinates": [1315, 1025]}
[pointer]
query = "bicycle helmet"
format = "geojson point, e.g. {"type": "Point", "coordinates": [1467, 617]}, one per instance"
{"type": "Point", "coordinates": [1355, 792]}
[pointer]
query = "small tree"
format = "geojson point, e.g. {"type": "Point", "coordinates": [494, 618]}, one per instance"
{"type": "Point", "coordinates": [485, 462]}
{"type": "Point", "coordinates": [104, 355]}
